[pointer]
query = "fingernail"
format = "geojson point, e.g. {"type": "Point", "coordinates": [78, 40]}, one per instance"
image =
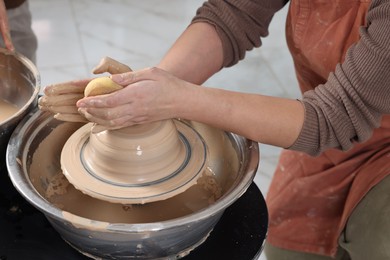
{"type": "Point", "coordinates": [81, 104]}
{"type": "Point", "coordinates": [118, 78]}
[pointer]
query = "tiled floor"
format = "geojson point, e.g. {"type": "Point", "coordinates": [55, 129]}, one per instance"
{"type": "Point", "coordinates": [74, 35]}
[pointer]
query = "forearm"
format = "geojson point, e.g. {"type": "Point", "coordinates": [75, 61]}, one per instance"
{"type": "Point", "coordinates": [270, 120]}
{"type": "Point", "coordinates": [153, 94]}
{"type": "Point", "coordinates": [196, 55]}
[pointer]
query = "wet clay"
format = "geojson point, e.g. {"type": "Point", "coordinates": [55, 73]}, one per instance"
{"type": "Point", "coordinates": [7, 110]}
{"type": "Point", "coordinates": [137, 164]}
{"type": "Point", "coordinates": [48, 179]}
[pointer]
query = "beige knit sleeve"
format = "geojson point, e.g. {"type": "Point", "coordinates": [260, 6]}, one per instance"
{"type": "Point", "coordinates": [348, 107]}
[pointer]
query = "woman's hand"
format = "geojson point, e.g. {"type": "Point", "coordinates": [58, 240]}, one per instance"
{"type": "Point", "coordinates": [4, 27]}
{"type": "Point", "coordinates": [153, 94]}
{"type": "Point", "coordinates": [60, 99]}
{"type": "Point", "coordinates": [148, 95]}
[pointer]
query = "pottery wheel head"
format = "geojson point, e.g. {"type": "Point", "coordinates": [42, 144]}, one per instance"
{"type": "Point", "coordinates": [137, 164]}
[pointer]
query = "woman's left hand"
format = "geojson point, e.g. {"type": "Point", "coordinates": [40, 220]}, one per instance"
{"type": "Point", "coordinates": [4, 27]}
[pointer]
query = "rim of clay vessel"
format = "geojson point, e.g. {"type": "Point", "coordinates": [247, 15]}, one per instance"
{"type": "Point", "coordinates": [137, 164]}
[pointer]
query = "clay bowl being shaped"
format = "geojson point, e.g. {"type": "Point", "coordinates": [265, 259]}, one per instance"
{"type": "Point", "coordinates": [166, 229]}
{"type": "Point", "coordinates": [19, 89]}
{"type": "Point", "coordinates": [137, 164]}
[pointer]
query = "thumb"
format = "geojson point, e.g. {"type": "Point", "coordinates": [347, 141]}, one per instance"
{"type": "Point", "coordinates": [118, 78]}
{"type": "Point", "coordinates": [124, 78]}
{"type": "Point", "coordinates": [135, 76]}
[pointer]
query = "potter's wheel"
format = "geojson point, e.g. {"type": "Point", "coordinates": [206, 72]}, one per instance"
{"type": "Point", "coordinates": [137, 164]}
{"type": "Point", "coordinates": [168, 228]}
{"type": "Point", "coordinates": [26, 233]}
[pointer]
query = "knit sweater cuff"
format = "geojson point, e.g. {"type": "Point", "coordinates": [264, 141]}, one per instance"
{"type": "Point", "coordinates": [308, 139]}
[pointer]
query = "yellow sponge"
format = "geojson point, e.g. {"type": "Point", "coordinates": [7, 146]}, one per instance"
{"type": "Point", "coordinates": [101, 86]}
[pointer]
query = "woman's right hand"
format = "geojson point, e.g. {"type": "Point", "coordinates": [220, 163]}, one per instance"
{"type": "Point", "coordinates": [149, 95]}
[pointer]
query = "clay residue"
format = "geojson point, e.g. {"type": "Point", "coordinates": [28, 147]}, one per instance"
{"type": "Point", "coordinates": [67, 198]}
{"type": "Point", "coordinates": [79, 222]}
{"type": "Point", "coordinates": [56, 185]}
{"type": "Point", "coordinates": [208, 182]}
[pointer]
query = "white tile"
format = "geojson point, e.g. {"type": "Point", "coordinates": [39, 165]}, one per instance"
{"type": "Point", "coordinates": [253, 75]}
{"type": "Point", "coordinates": [50, 75]}
{"type": "Point", "coordinates": [58, 40]}
{"type": "Point", "coordinates": [128, 30]}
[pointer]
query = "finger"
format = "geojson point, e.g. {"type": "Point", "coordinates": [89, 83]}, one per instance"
{"type": "Point", "coordinates": [139, 75]}
{"type": "Point", "coordinates": [114, 122]}
{"type": "Point", "coordinates": [107, 117]}
{"type": "Point", "coordinates": [111, 66]}
{"type": "Point", "coordinates": [71, 118]}
{"type": "Point", "coordinates": [103, 101]}
{"type": "Point", "coordinates": [60, 100]}
{"type": "Point", "coordinates": [125, 78]}
{"type": "Point", "coordinates": [66, 88]}
{"type": "Point", "coordinates": [103, 125]}
{"type": "Point", "coordinates": [62, 109]}
{"type": "Point", "coordinates": [4, 28]}
{"type": "Point", "coordinates": [7, 37]}
{"type": "Point", "coordinates": [103, 114]}
{"type": "Point", "coordinates": [94, 119]}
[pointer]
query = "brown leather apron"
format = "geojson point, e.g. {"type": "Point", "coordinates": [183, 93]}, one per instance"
{"type": "Point", "coordinates": [311, 198]}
